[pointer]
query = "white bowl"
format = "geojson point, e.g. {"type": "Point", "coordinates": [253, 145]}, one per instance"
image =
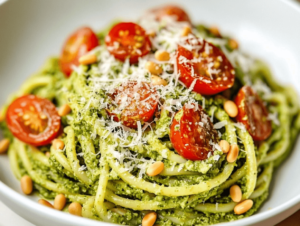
{"type": "Point", "coordinates": [30, 31]}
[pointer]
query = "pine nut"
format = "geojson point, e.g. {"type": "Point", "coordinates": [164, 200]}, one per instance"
{"type": "Point", "coordinates": [88, 59]}
{"type": "Point", "coordinates": [233, 153]}
{"type": "Point", "coordinates": [215, 31]}
{"type": "Point", "coordinates": [162, 55]}
{"type": "Point", "coordinates": [243, 207]}
{"type": "Point", "coordinates": [233, 44]}
{"type": "Point", "coordinates": [58, 144]}
{"type": "Point", "coordinates": [230, 108]}
{"type": "Point", "coordinates": [75, 209]}
{"type": "Point", "coordinates": [224, 145]}
{"type": "Point", "coordinates": [64, 110]}
{"type": "Point", "coordinates": [157, 81]}
{"type": "Point", "coordinates": [47, 154]}
{"type": "Point", "coordinates": [4, 145]}
{"type": "Point", "coordinates": [236, 193]}
{"type": "Point", "coordinates": [153, 68]}
{"type": "Point", "coordinates": [155, 169]}
{"type": "Point", "coordinates": [26, 185]}
{"type": "Point", "coordinates": [45, 203]}
{"type": "Point", "coordinates": [149, 219]}
{"type": "Point", "coordinates": [186, 31]}
{"type": "Point", "coordinates": [60, 202]}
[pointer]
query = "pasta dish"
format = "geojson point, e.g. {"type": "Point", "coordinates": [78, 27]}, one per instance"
{"type": "Point", "coordinates": [155, 122]}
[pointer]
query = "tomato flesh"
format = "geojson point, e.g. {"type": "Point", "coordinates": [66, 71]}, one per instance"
{"type": "Point", "coordinates": [253, 114]}
{"type": "Point", "coordinates": [192, 133]}
{"type": "Point", "coordinates": [128, 40]}
{"type": "Point", "coordinates": [33, 120]}
{"type": "Point", "coordinates": [171, 10]}
{"type": "Point", "coordinates": [206, 64]}
{"type": "Point", "coordinates": [78, 44]}
{"type": "Point", "coordinates": [132, 102]}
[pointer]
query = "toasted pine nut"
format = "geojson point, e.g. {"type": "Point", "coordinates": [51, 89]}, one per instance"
{"type": "Point", "coordinates": [58, 144]}
{"type": "Point", "coordinates": [45, 203]}
{"type": "Point", "coordinates": [155, 169]}
{"type": "Point", "coordinates": [224, 145]}
{"type": "Point", "coordinates": [149, 219]}
{"type": "Point", "coordinates": [162, 55]}
{"type": "Point", "coordinates": [215, 31]}
{"type": "Point", "coordinates": [4, 145]}
{"type": "Point", "coordinates": [153, 68]}
{"type": "Point", "coordinates": [60, 202]}
{"type": "Point", "coordinates": [233, 44]}
{"type": "Point", "coordinates": [47, 154]}
{"type": "Point", "coordinates": [75, 208]}
{"type": "Point", "coordinates": [233, 153]}
{"type": "Point", "coordinates": [243, 207]}
{"type": "Point", "coordinates": [64, 110]}
{"type": "Point", "coordinates": [157, 81]}
{"type": "Point", "coordinates": [236, 193]}
{"type": "Point", "coordinates": [26, 185]}
{"type": "Point", "coordinates": [119, 211]}
{"type": "Point", "coordinates": [88, 59]}
{"type": "Point", "coordinates": [186, 31]}
{"type": "Point", "coordinates": [230, 108]}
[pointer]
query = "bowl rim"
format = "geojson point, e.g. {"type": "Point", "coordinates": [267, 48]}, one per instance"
{"type": "Point", "coordinates": [18, 198]}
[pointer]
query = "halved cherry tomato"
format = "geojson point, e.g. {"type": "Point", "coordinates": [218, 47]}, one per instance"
{"type": "Point", "coordinates": [78, 44]}
{"type": "Point", "coordinates": [132, 102]}
{"type": "Point", "coordinates": [171, 10]}
{"type": "Point", "coordinates": [128, 40]}
{"type": "Point", "coordinates": [192, 133]}
{"type": "Point", "coordinates": [33, 120]}
{"type": "Point", "coordinates": [207, 64]}
{"type": "Point", "coordinates": [253, 114]}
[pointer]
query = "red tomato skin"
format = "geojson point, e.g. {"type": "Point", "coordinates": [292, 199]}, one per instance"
{"type": "Point", "coordinates": [171, 10]}
{"type": "Point", "coordinates": [78, 44]}
{"type": "Point", "coordinates": [177, 141]}
{"type": "Point", "coordinates": [21, 106]}
{"type": "Point", "coordinates": [248, 119]}
{"type": "Point", "coordinates": [205, 85]}
{"type": "Point", "coordinates": [127, 44]}
{"type": "Point", "coordinates": [199, 148]}
{"type": "Point", "coordinates": [134, 112]}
